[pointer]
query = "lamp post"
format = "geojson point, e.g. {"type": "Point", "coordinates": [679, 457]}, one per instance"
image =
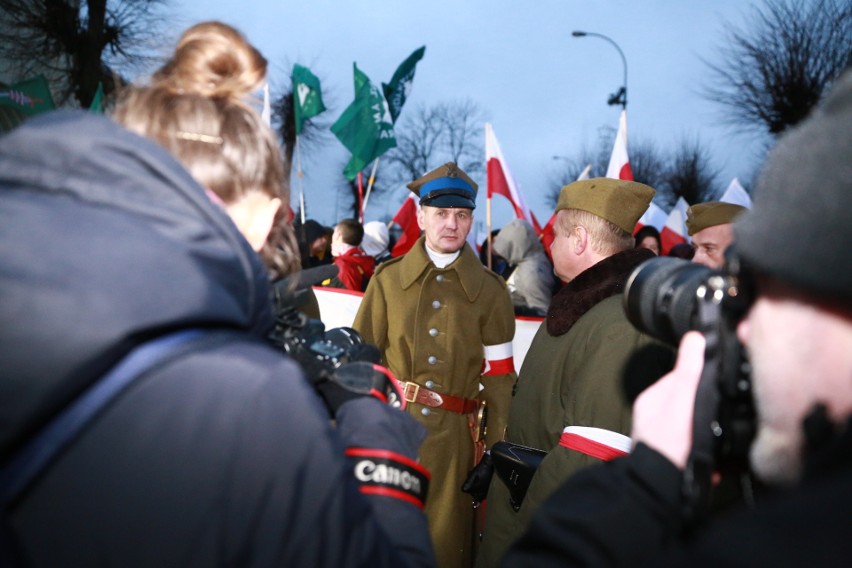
{"type": "Point", "coordinates": [619, 97]}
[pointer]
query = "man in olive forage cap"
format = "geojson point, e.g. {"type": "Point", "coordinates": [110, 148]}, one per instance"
{"type": "Point", "coordinates": [709, 225]}
{"type": "Point", "coordinates": [798, 334]}
{"type": "Point", "coordinates": [569, 398]}
{"type": "Point", "coordinates": [444, 324]}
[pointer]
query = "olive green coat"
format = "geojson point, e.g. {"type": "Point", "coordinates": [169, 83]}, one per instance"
{"type": "Point", "coordinates": [572, 376]}
{"type": "Point", "coordinates": [430, 325]}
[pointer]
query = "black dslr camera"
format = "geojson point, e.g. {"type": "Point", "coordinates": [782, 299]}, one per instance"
{"type": "Point", "coordinates": [338, 362]}
{"type": "Point", "coordinates": [666, 297]}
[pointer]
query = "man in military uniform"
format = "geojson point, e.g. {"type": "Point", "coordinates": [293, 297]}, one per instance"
{"type": "Point", "coordinates": [570, 399]}
{"type": "Point", "coordinates": [709, 225]}
{"type": "Point", "coordinates": [444, 324]}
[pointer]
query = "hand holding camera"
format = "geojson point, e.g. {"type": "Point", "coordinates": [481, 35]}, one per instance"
{"type": "Point", "coordinates": [663, 413]}
{"type": "Point", "coordinates": [667, 298]}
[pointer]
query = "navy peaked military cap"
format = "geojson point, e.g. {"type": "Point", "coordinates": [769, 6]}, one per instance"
{"type": "Point", "coordinates": [445, 186]}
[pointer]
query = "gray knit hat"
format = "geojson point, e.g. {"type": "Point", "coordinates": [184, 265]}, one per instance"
{"type": "Point", "coordinates": [801, 225]}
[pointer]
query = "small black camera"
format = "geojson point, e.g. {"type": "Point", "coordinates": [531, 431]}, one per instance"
{"type": "Point", "coordinates": [665, 297]}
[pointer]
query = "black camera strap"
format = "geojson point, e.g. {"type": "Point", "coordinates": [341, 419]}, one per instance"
{"type": "Point", "coordinates": [28, 463]}
{"type": "Point", "coordinates": [697, 476]}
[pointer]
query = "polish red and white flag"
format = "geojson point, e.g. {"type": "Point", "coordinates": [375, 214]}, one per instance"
{"type": "Point", "coordinates": [406, 218]}
{"type": "Point", "coordinates": [736, 194]}
{"type": "Point", "coordinates": [501, 182]}
{"type": "Point", "coordinates": [653, 216]}
{"type": "Point", "coordinates": [675, 231]}
{"type": "Point", "coordinates": [547, 234]}
{"type": "Point", "coordinates": [619, 162]}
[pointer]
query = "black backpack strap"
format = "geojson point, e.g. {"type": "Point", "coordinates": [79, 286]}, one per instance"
{"type": "Point", "coordinates": [28, 463]}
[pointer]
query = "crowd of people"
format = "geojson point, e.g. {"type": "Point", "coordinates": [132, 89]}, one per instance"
{"type": "Point", "coordinates": [168, 219]}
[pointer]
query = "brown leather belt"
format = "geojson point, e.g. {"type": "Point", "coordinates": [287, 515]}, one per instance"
{"type": "Point", "coordinates": [412, 392]}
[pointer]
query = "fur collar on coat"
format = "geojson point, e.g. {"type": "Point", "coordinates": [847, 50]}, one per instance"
{"type": "Point", "coordinates": [593, 285]}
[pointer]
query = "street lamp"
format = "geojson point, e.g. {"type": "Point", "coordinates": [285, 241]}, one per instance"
{"type": "Point", "coordinates": [619, 97]}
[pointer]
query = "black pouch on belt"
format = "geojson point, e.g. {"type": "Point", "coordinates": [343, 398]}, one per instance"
{"type": "Point", "coordinates": [515, 466]}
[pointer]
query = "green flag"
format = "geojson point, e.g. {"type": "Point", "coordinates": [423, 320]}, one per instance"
{"type": "Point", "coordinates": [30, 97]}
{"type": "Point", "coordinates": [307, 96]}
{"type": "Point", "coordinates": [365, 127]}
{"type": "Point", "coordinates": [400, 85]}
{"type": "Point", "coordinates": [97, 104]}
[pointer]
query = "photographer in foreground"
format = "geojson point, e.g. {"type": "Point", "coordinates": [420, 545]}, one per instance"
{"type": "Point", "coordinates": [218, 451]}
{"type": "Point", "coordinates": [798, 335]}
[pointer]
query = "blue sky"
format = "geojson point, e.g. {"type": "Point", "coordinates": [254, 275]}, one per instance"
{"type": "Point", "coordinates": [543, 91]}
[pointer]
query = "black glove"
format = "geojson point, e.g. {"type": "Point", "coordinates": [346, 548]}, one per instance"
{"type": "Point", "coordinates": [479, 479]}
{"type": "Point", "coordinates": [355, 380]}
{"type": "Point", "coordinates": [332, 393]}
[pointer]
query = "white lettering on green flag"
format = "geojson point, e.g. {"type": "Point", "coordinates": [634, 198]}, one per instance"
{"type": "Point", "coordinates": [365, 128]}
{"type": "Point", "coordinates": [29, 97]}
{"type": "Point", "coordinates": [307, 96]}
{"type": "Point", "coordinates": [400, 84]}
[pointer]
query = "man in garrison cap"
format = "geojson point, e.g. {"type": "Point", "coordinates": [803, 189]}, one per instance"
{"type": "Point", "coordinates": [797, 331]}
{"type": "Point", "coordinates": [709, 225]}
{"type": "Point", "coordinates": [569, 399]}
{"type": "Point", "coordinates": [444, 324]}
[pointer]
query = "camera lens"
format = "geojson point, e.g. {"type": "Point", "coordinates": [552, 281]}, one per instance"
{"type": "Point", "coordinates": [660, 297]}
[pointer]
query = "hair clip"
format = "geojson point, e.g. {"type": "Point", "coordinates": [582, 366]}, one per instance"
{"type": "Point", "coordinates": [195, 137]}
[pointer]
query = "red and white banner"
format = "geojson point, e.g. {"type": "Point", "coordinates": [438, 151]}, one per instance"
{"type": "Point", "coordinates": [501, 182]}
{"type": "Point", "coordinates": [736, 194]}
{"type": "Point", "coordinates": [338, 308]}
{"type": "Point", "coordinates": [653, 216]}
{"type": "Point", "coordinates": [406, 218]}
{"type": "Point", "coordinates": [619, 163]}
{"type": "Point", "coordinates": [675, 231]}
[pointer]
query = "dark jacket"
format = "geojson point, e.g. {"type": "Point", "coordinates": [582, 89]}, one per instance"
{"type": "Point", "coordinates": [572, 375]}
{"type": "Point", "coordinates": [628, 512]}
{"type": "Point", "coordinates": [224, 456]}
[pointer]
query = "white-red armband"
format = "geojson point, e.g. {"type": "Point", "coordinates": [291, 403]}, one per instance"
{"type": "Point", "coordinates": [596, 442]}
{"type": "Point", "coordinates": [382, 472]}
{"type": "Point", "coordinates": [498, 359]}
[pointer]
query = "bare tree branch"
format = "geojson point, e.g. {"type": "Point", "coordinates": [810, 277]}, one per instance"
{"type": "Point", "coordinates": [688, 174]}
{"type": "Point", "coordinates": [776, 68]}
{"type": "Point", "coordinates": [430, 136]}
{"type": "Point", "coordinates": [77, 44]}
{"type": "Point", "coordinates": [686, 171]}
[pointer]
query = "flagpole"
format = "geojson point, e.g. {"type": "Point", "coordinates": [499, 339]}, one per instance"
{"type": "Point", "coordinates": [370, 186]}
{"type": "Point", "coordinates": [488, 195]}
{"type": "Point", "coordinates": [299, 175]}
{"type": "Point", "coordinates": [488, 227]}
{"type": "Point", "coordinates": [360, 197]}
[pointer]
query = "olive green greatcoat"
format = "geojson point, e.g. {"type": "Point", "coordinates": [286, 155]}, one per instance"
{"type": "Point", "coordinates": [430, 325]}
{"type": "Point", "coordinates": [572, 376]}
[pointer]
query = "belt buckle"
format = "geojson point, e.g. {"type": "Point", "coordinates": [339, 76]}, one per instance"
{"type": "Point", "coordinates": [407, 390]}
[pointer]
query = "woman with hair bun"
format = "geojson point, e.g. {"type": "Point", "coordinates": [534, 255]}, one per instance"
{"type": "Point", "coordinates": [195, 108]}
{"type": "Point", "coordinates": [222, 454]}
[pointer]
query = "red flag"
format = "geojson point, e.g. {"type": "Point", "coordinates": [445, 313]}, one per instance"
{"type": "Point", "coordinates": [501, 182]}
{"type": "Point", "coordinates": [547, 235]}
{"type": "Point", "coordinates": [675, 231]}
{"type": "Point", "coordinates": [619, 163]}
{"type": "Point", "coordinates": [406, 218]}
